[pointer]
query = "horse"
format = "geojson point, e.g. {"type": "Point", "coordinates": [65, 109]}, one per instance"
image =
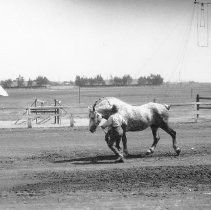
{"type": "Point", "coordinates": [137, 118]}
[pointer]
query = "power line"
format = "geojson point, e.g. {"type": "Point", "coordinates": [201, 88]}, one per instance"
{"type": "Point", "coordinates": [186, 42]}
{"type": "Point", "coordinates": [181, 55]}
{"type": "Point", "coordinates": [166, 39]}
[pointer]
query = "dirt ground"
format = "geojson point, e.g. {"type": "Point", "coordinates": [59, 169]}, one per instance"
{"type": "Point", "coordinates": [65, 168]}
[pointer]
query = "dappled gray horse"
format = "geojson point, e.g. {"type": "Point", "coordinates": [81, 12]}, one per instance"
{"type": "Point", "coordinates": [137, 118]}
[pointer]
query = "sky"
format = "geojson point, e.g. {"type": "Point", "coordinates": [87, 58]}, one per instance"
{"type": "Point", "coordinates": [60, 39]}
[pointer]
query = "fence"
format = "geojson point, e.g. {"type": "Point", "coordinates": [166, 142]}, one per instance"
{"type": "Point", "coordinates": [183, 109]}
{"type": "Point", "coordinates": [205, 105]}
{"type": "Point", "coordinates": [39, 110]}
{"type": "Point", "coordinates": [57, 112]}
{"type": "Point", "coordinates": [80, 111]}
{"type": "Point", "coordinates": [37, 107]}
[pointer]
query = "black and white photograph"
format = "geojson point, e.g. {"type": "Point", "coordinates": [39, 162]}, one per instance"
{"type": "Point", "coordinates": [105, 104]}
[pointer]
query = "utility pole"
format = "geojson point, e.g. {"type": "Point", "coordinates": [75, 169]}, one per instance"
{"type": "Point", "coordinates": [197, 2]}
{"type": "Point", "coordinates": [202, 23]}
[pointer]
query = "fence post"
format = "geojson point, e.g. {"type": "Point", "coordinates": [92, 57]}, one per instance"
{"type": "Point", "coordinates": [71, 121]}
{"type": "Point", "coordinates": [197, 106]}
{"type": "Point", "coordinates": [29, 122]}
{"type": "Point", "coordinates": [35, 104]}
{"type": "Point", "coordinates": [58, 116]}
{"type": "Point", "coordinates": [55, 111]}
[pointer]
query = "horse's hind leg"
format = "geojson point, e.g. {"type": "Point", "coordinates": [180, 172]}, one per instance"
{"type": "Point", "coordinates": [172, 133]}
{"type": "Point", "coordinates": [124, 142]}
{"type": "Point", "coordinates": [156, 138]}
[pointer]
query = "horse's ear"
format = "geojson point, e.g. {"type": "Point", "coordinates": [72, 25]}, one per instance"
{"type": "Point", "coordinates": [90, 108]}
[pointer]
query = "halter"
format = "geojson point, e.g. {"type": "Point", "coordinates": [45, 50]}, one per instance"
{"type": "Point", "coordinates": [96, 102]}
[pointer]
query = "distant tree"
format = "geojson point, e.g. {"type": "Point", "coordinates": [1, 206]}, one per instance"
{"type": "Point", "coordinates": [117, 81]}
{"type": "Point", "coordinates": [154, 79]}
{"type": "Point", "coordinates": [29, 83]}
{"type": "Point", "coordinates": [92, 81]}
{"type": "Point", "coordinates": [20, 81]}
{"type": "Point", "coordinates": [127, 79]}
{"type": "Point", "coordinates": [142, 81]}
{"type": "Point", "coordinates": [41, 81]}
{"type": "Point", "coordinates": [6, 83]}
{"type": "Point", "coordinates": [99, 80]}
{"type": "Point", "coordinates": [81, 81]}
{"type": "Point", "coordinates": [84, 81]}
{"type": "Point", "coordinates": [121, 81]}
{"type": "Point", "coordinates": [78, 80]}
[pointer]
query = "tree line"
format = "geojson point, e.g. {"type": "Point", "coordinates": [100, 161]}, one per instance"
{"type": "Point", "coordinates": [83, 81]}
{"type": "Point", "coordinates": [126, 80]}
{"type": "Point", "coordinates": [20, 82]}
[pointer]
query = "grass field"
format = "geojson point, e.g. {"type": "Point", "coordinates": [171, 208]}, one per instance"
{"type": "Point", "coordinates": [170, 94]}
{"type": "Point", "coordinates": [173, 93]}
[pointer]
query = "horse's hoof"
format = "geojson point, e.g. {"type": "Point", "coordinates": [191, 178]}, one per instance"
{"type": "Point", "coordinates": [119, 148]}
{"type": "Point", "coordinates": [178, 151]}
{"type": "Point", "coordinates": [149, 152]}
{"type": "Point", "coordinates": [126, 155]}
{"type": "Point", "coordinates": [119, 160]}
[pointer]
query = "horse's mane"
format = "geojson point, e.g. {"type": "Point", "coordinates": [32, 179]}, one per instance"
{"type": "Point", "coordinates": [100, 100]}
{"type": "Point", "coordinates": [104, 105]}
{"type": "Point", "coordinates": [110, 101]}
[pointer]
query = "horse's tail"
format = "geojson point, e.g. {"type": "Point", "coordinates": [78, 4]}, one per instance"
{"type": "Point", "coordinates": [167, 106]}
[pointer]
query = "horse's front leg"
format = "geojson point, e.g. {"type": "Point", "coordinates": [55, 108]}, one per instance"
{"type": "Point", "coordinates": [156, 138]}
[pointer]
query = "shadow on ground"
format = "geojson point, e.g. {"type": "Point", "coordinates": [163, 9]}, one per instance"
{"type": "Point", "coordinates": [108, 159]}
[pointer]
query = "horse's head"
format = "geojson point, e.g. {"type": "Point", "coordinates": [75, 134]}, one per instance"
{"type": "Point", "coordinates": [94, 119]}
{"type": "Point", "coordinates": [100, 109]}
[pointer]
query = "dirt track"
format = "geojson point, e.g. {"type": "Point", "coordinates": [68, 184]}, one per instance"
{"type": "Point", "coordinates": [60, 168]}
